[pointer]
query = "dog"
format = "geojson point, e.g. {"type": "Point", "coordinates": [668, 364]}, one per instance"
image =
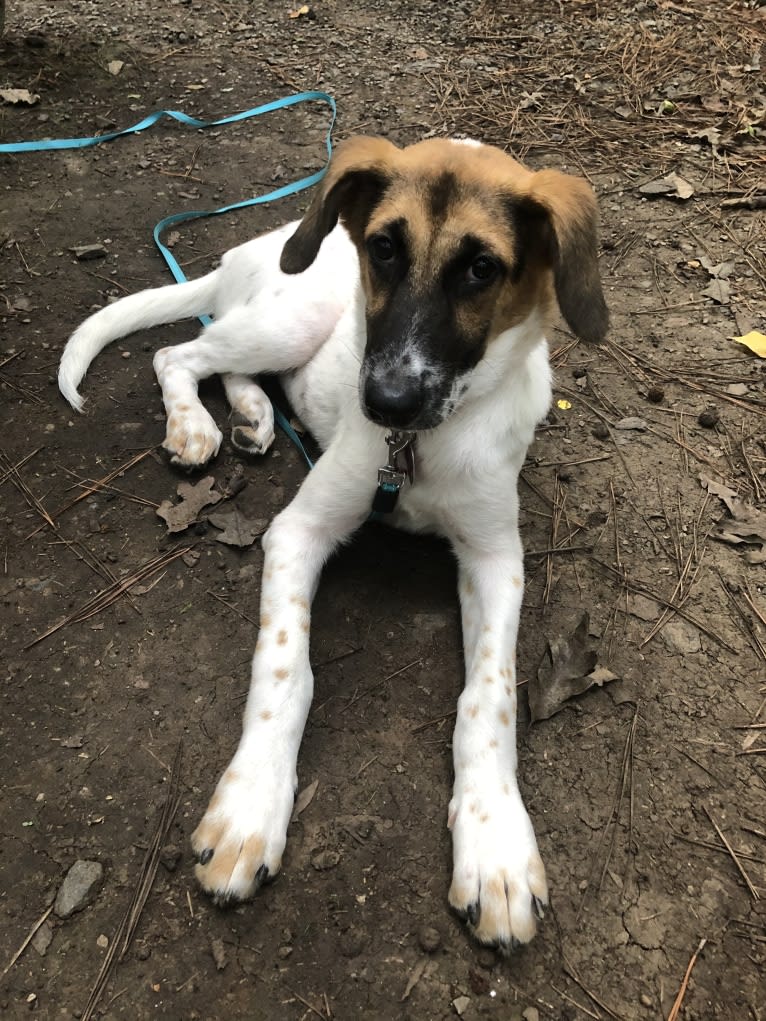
{"type": "Point", "coordinates": [406, 316]}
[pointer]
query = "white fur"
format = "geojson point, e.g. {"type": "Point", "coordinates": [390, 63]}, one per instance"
{"type": "Point", "coordinates": [311, 329]}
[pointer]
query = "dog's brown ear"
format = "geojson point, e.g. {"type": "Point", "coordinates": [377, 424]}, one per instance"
{"type": "Point", "coordinates": [569, 206]}
{"type": "Point", "coordinates": [358, 173]}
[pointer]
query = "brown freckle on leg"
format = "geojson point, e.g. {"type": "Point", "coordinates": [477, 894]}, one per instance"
{"type": "Point", "coordinates": [304, 625]}
{"type": "Point", "coordinates": [281, 674]}
{"type": "Point", "coordinates": [486, 652]}
{"type": "Point", "coordinates": [508, 691]}
{"type": "Point", "coordinates": [265, 620]}
{"type": "Point", "coordinates": [182, 407]}
{"type": "Point", "coordinates": [282, 638]}
{"type": "Point", "coordinates": [473, 711]}
{"type": "Point", "coordinates": [506, 788]}
{"type": "Point", "coordinates": [516, 581]}
{"type": "Point", "coordinates": [489, 679]}
{"type": "Point", "coordinates": [504, 718]}
{"type": "Point", "coordinates": [487, 630]}
{"type": "Point", "coordinates": [493, 743]}
{"type": "Point", "coordinates": [299, 601]}
{"type": "Point", "coordinates": [483, 818]}
{"type": "Point", "coordinates": [469, 589]}
{"type": "Point", "coordinates": [265, 715]}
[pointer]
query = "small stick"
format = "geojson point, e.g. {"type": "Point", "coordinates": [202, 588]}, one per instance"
{"type": "Point", "coordinates": [27, 941]}
{"type": "Point", "coordinates": [676, 1008]}
{"type": "Point", "coordinates": [735, 859]}
{"type": "Point", "coordinates": [229, 606]}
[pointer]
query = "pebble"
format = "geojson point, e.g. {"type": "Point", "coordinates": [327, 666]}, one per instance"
{"type": "Point", "coordinates": [460, 1003]}
{"type": "Point", "coordinates": [429, 939]}
{"type": "Point", "coordinates": [531, 1014]}
{"type": "Point", "coordinates": [647, 1001]}
{"type": "Point", "coordinates": [600, 431]}
{"type": "Point", "coordinates": [79, 882]}
{"type": "Point", "coordinates": [709, 418]}
{"type": "Point", "coordinates": [680, 636]}
{"type": "Point", "coordinates": [655, 394]}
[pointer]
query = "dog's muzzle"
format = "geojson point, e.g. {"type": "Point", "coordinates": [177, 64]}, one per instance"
{"type": "Point", "coordinates": [393, 399]}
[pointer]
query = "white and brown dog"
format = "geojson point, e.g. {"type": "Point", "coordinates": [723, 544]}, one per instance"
{"type": "Point", "coordinates": [412, 301]}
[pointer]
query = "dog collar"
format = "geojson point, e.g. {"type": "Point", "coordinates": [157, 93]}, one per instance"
{"type": "Point", "coordinates": [391, 477]}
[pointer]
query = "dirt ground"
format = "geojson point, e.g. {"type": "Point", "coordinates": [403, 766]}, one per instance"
{"type": "Point", "coordinates": [634, 787]}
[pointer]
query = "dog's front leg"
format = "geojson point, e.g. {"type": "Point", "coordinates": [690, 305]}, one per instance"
{"type": "Point", "coordinates": [240, 840]}
{"type": "Point", "coordinates": [498, 881]}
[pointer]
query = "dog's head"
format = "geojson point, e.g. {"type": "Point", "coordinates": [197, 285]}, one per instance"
{"type": "Point", "coordinates": [457, 244]}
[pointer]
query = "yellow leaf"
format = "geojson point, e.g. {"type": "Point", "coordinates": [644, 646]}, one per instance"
{"type": "Point", "coordinates": [564, 405]}
{"type": "Point", "coordinates": [755, 341]}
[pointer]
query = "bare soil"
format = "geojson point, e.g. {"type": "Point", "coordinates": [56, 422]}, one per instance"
{"type": "Point", "coordinates": [627, 784]}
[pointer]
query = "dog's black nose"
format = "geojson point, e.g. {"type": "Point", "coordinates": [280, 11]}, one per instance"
{"type": "Point", "coordinates": [394, 401]}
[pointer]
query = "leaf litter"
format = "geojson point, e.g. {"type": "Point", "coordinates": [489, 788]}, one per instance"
{"type": "Point", "coordinates": [568, 668]}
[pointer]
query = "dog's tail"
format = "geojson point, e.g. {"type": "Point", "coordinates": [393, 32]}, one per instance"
{"type": "Point", "coordinates": [137, 312]}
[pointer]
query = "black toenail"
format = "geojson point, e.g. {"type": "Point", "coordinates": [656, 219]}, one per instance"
{"type": "Point", "coordinates": [261, 875]}
{"type": "Point", "coordinates": [240, 439]}
{"type": "Point", "coordinates": [205, 856]}
{"type": "Point", "coordinates": [473, 912]}
{"type": "Point", "coordinates": [539, 907]}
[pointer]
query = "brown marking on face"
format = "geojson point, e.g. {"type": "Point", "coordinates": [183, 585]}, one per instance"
{"type": "Point", "coordinates": [281, 673]}
{"type": "Point", "coordinates": [266, 714]}
{"type": "Point", "coordinates": [504, 717]}
{"type": "Point", "coordinates": [282, 638]}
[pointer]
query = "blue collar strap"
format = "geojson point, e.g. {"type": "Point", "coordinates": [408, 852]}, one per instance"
{"type": "Point", "coordinates": [272, 196]}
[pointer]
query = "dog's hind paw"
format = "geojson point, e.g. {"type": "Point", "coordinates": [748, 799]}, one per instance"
{"type": "Point", "coordinates": [252, 436]}
{"type": "Point", "coordinates": [192, 437]}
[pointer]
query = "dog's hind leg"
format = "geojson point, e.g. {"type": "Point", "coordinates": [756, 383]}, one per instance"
{"type": "Point", "coordinates": [252, 414]}
{"type": "Point", "coordinates": [269, 334]}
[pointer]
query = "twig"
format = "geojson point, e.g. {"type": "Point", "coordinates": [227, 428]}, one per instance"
{"type": "Point", "coordinates": [735, 859]}
{"type": "Point", "coordinates": [112, 593]}
{"type": "Point", "coordinates": [676, 1008]}
{"type": "Point", "coordinates": [27, 941]}
{"type": "Point", "coordinates": [122, 938]}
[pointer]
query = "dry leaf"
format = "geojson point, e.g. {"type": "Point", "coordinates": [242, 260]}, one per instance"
{"type": "Point", "coordinates": [300, 12]}
{"type": "Point", "coordinates": [746, 525]}
{"type": "Point", "coordinates": [719, 291]}
{"type": "Point", "coordinates": [19, 96]}
{"type": "Point", "coordinates": [753, 340]}
{"type": "Point", "coordinates": [193, 498]}
{"type": "Point", "coordinates": [729, 496]}
{"type": "Point", "coordinates": [304, 799]}
{"type": "Point", "coordinates": [671, 186]}
{"type": "Point", "coordinates": [563, 672]}
{"type": "Point", "coordinates": [237, 530]}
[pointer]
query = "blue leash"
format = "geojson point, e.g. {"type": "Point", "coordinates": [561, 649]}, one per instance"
{"type": "Point", "coordinates": [272, 196]}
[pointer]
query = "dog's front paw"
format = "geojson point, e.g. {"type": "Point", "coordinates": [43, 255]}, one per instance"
{"type": "Point", "coordinates": [498, 880]}
{"type": "Point", "coordinates": [192, 437]}
{"type": "Point", "coordinates": [239, 842]}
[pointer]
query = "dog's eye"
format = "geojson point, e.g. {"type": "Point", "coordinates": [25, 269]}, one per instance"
{"type": "Point", "coordinates": [381, 248]}
{"type": "Point", "coordinates": [483, 269]}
